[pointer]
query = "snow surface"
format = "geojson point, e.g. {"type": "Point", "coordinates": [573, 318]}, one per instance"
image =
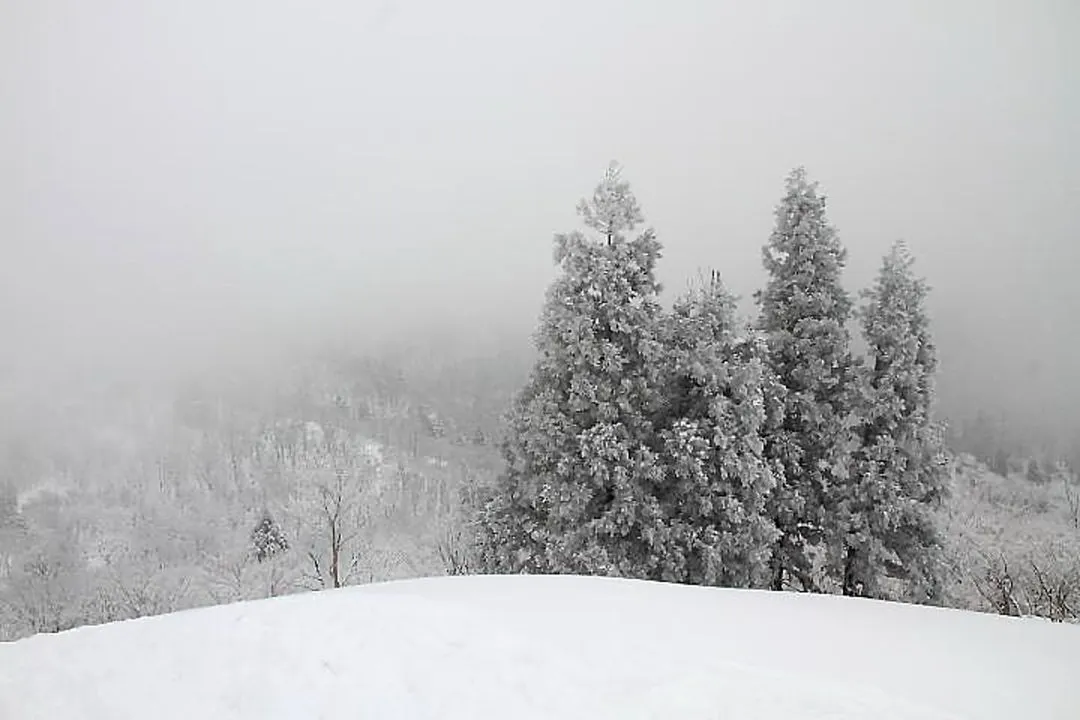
{"type": "Point", "coordinates": [548, 647]}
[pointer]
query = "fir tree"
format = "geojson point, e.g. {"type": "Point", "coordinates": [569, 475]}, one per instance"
{"type": "Point", "coordinates": [267, 539]}
{"type": "Point", "coordinates": [804, 313]}
{"type": "Point", "coordinates": [583, 463]}
{"type": "Point", "coordinates": [717, 532]}
{"type": "Point", "coordinates": [900, 464]}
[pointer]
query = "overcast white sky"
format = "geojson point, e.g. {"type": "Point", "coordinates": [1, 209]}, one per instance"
{"type": "Point", "coordinates": [175, 173]}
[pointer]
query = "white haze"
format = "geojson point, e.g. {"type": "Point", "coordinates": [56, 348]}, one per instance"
{"type": "Point", "coordinates": [186, 181]}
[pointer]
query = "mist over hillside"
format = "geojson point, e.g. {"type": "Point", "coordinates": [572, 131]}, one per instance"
{"type": "Point", "coordinates": [185, 184]}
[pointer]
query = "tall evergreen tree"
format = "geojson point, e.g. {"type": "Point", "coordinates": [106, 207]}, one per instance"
{"type": "Point", "coordinates": [901, 473]}
{"type": "Point", "coordinates": [717, 394]}
{"type": "Point", "coordinates": [582, 457]}
{"type": "Point", "coordinates": [804, 313]}
{"type": "Point", "coordinates": [267, 538]}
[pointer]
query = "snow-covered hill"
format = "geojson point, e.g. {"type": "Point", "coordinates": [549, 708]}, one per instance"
{"type": "Point", "coordinates": [548, 647]}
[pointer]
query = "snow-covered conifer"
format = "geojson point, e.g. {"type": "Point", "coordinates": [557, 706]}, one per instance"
{"type": "Point", "coordinates": [718, 479]}
{"type": "Point", "coordinates": [804, 313]}
{"type": "Point", "coordinates": [267, 538]}
{"type": "Point", "coordinates": [582, 458]}
{"type": "Point", "coordinates": [900, 473]}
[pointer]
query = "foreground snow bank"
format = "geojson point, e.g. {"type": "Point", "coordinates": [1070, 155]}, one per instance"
{"type": "Point", "coordinates": [548, 647]}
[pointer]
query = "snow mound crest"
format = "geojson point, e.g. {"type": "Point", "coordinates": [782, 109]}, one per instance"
{"type": "Point", "coordinates": [548, 647]}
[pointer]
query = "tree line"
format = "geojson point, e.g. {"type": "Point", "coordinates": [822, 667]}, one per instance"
{"type": "Point", "coordinates": [685, 445]}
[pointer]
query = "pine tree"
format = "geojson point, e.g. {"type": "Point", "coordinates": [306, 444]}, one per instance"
{"type": "Point", "coordinates": [267, 539]}
{"type": "Point", "coordinates": [804, 313]}
{"type": "Point", "coordinates": [717, 532]}
{"type": "Point", "coordinates": [578, 494]}
{"type": "Point", "coordinates": [901, 473]}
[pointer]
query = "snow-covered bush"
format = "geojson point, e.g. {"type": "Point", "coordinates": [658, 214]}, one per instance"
{"type": "Point", "coordinates": [1010, 546]}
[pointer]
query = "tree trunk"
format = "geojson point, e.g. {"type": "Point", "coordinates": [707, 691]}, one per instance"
{"type": "Point", "coordinates": [776, 564]}
{"type": "Point", "coordinates": [335, 557]}
{"type": "Point", "coordinates": [850, 585]}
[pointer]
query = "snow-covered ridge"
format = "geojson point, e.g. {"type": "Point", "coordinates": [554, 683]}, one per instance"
{"type": "Point", "coordinates": [548, 647]}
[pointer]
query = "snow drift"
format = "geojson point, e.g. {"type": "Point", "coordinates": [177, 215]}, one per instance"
{"type": "Point", "coordinates": [548, 647]}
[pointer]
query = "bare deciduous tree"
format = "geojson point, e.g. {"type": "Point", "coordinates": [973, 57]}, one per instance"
{"type": "Point", "coordinates": [1045, 584]}
{"type": "Point", "coordinates": [1072, 500]}
{"type": "Point", "coordinates": [331, 501]}
{"type": "Point", "coordinates": [454, 549]}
